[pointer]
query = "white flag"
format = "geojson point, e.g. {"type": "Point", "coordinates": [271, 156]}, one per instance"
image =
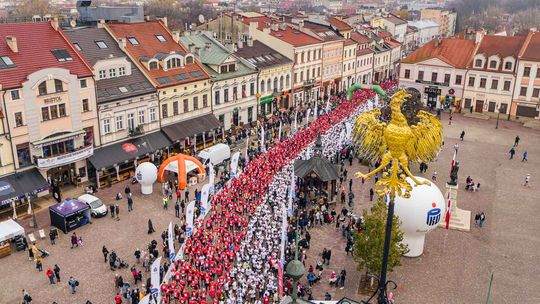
{"type": "Point", "coordinates": [234, 163]}
{"type": "Point", "coordinates": [308, 112]}
{"type": "Point", "coordinates": [171, 243]}
{"type": "Point", "coordinates": [279, 131]}
{"type": "Point", "coordinates": [190, 210]}
{"type": "Point", "coordinates": [154, 277]}
{"type": "Point", "coordinates": [205, 207]}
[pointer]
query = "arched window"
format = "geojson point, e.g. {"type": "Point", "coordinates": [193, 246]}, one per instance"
{"type": "Point", "coordinates": [153, 65]}
{"type": "Point", "coordinates": [287, 80]}
{"type": "Point", "coordinates": [42, 88]}
{"type": "Point", "coordinates": [275, 83]}
{"type": "Point", "coordinates": [268, 84]}
{"type": "Point", "coordinates": [261, 89]}
{"type": "Point", "coordinates": [174, 63]}
{"type": "Point", "coordinates": [281, 79]}
{"type": "Point", "coordinates": [189, 59]}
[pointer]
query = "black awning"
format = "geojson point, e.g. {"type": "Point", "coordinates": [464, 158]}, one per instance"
{"type": "Point", "coordinates": [21, 184]}
{"type": "Point", "coordinates": [127, 150]}
{"type": "Point", "coordinates": [190, 127]}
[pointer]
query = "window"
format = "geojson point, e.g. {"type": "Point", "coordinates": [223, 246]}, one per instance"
{"type": "Point", "coordinates": [458, 79]}
{"type": "Point", "coordinates": [62, 55]}
{"type": "Point", "coordinates": [232, 67]}
{"type": "Point", "coordinates": [471, 81]}
{"type": "Point", "coordinates": [102, 74]}
{"type": "Point", "coordinates": [527, 72]}
{"type": "Point", "coordinates": [160, 38]}
{"type": "Point", "coordinates": [77, 46]}
{"type": "Point", "coordinates": [164, 111]}
{"type": "Point", "coordinates": [112, 73]}
{"type": "Point", "coordinates": [42, 88]}
{"type": "Point", "coordinates": [54, 111]}
{"type": "Point", "coordinates": [447, 78]}
{"type": "Point", "coordinates": [226, 95]}
{"type": "Point", "coordinates": [478, 63]}
{"type": "Point", "coordinates": [186, 105]}
{"type": "Point", "coordinates": [494, 84]}
{"type": "Point", "coordinates": [6, 62]}
{"type": "Point", "coordinates": [205, 100]}
{"type": "Point", "coordinates": [131, 121]}
{"type": "Point", "coordinates": [23, 155]}
{"type": "Point", "coordinates": [153, 65]}
{"type": "Point", "coordinates": [83, 83]}
{"type": "Point", "coordinates": [173, 63]}
{"type": "Point", "coordinates": [434, 77]}
{"type": "Point", "coordinates": [483, 82]}
{"type": "Point", "coordinates": [153, 116]}
{"type": "Point", "coordinates": [216, 97]}
{"type": "Point", "coordinates": [15, 95]}
{"type": "Point", "coordinates": [407, 74]}
{"type": "Point", "coordinates": [122, 71]}
{"type": "Point", "coordinates": [175, 108]}
{"type": "Point", "coordinates": [133, 40]}
{"type": "Point", "coordinates": [536, 93]}
{"type": "Point", "coordinates": [523, 91]}
{"type": "Point", "coordinates": [195, 102]}
{"type": "Point", "coordinates": [507, 84]}
{"type": "Point", "coordinates": [101, 44]}
{"type": "Point", "coordinates": [58, 86]}
{"type": "Point", "coordinates": [45, 114]}
{"type": "Point", "coordinates": [420, 75]}
{"type": "Point", "coordinates": [493, 64]}
{"type": "Point", "coordinates": [85, 105]}
{"type": "Point", "coordinates": [189, 59]}
{"type": "Point", "coordinates": [62, 110]}
{"type": "Point", "coordinates": [106, 126]}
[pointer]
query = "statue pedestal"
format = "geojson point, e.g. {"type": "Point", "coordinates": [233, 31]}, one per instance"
{"type": "Point", "coordinates": [459, 219]}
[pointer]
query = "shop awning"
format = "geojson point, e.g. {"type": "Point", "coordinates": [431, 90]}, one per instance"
{"type": "Point", "coordinates": [128, 150]}
{"type": "Point", "coordinates": [18, 185]}
{"type": "Point", "coordinates": [187, 128]}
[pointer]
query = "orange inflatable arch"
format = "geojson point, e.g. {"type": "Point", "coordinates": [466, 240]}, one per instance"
{"type": "Point", "coordinates": [182, 174]}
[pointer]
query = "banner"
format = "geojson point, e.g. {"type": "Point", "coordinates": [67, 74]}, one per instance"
{"type": "Point", "coordinates": [279, 131]}
{"type": "Point", "coordinates": [190, 210]}
{"type": "Point", "coordinates": [171, 243]}
{"type": "Point", "coordinates": [308, 112]}
{"type": "Point", "coordinates": [205, 207]}
{"type": "Point", "coordinates": [234, 164]}
{"type": "Point", "coordinates": [154, 277]}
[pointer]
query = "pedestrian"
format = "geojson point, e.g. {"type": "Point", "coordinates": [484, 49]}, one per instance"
{"type": "Point", "coordinates": [50, 274]}
{"type": "Point", "coordinates": [462, 135]}
{"type": "Point", "coordinates": [73, 284]}
{"type": "Point", "coordinates": [56, 270]}
{"type": "Point", "coordinates": [165, 202]}
{"type": "Point", "coordinates": [150, 227]}
{"type": "Point", "coordinates": [512, 152]}
{"type": "Point", "coordinates": [130, 203]}
{"type": "Point", "coordinates": [524, 156]}
{"type": "Point", "coordinates": [74, 240]}
{"type": "Point", "coordinates": [52, 236]}
{"type": "Point", "coordinates": [111, 208]}
{"type": "Point", "coordinates": [527, 179]}
{"type": "Point", "coordinates": [516, 141]}
{"type": "Point", "coordinates": [117, 211]}
{"type": "Point", "coordinates": [105, 252]}
{"type": "Point", "coordinates": [27, 299]}
{"type": "Point", "coordinates": [371, 194]}
{"type": "Point", "coordinates": [177, 209]}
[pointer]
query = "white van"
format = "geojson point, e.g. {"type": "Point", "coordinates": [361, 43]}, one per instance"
{"type": "Point", "coordinates": [97, 208]}
{"type": "Point", "coordinates": [215, 154]}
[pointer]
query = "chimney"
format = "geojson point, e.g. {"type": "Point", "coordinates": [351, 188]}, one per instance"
{"type": "Point", "coordinates": [240, 44]}
{"type": "Point", "coordinates": [12, 43]}
{"type": "Point", "coordinates": [164, 20]}
{"type": "Point", "coordinates": [122, 43]}
{"type": "Point", "coordinates": [101, 23]}
{"type": "Point", "coordinates": [176, 36]}
{"type": "Point", "coordinates": [54, 23]}
{"type": "Point", "coordinates": [250, 42]}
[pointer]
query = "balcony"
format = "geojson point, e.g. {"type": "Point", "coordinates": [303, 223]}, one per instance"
{"type": "Point", "coordinates": [66, 158]}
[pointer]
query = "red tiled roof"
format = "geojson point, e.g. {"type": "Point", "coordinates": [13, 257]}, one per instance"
{"type": "Point", "coordinates": [455, 52]}
{"type": "Point", "coordinates": [149, 46]}
{"type": "Point", "coordinates": [338, 24]}
{"type": "Point", "coordinates": [531, 48]}
{"type": "Point", "coordinates": [360, 38]}
{"type": "Point", "coordinates": [35, 42]}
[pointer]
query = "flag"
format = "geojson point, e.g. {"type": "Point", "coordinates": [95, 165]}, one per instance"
{"type": "Point", "coordinates": [234, 163]}
{"type": "Point", "coordinates": [190, 210]}
{"type": "Point", "coordinates": [449, 205]}
{"type": "Point", "coordinates": [171, 243]}
{"type": "Point", "coordinates": [308, 112]}
{"type": "Point", "coordinates": [205, 207]}
{"type": "Point", "coordinates": [279, 131]}
{"type": "Point", "coordinates": [154, 277]}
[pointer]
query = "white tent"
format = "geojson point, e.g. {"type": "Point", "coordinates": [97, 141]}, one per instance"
{"type": "Point", "coordinates": [10, 229]}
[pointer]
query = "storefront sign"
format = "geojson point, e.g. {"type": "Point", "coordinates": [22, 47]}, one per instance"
{"type": "Point", "coordinates": [6, 188]}
{"type": "Point", "coordinates": [431, 90]}
{"type": "Point", "coordinates": [65, 159]}
{"type": "Point", "coordinates": [52, 99]}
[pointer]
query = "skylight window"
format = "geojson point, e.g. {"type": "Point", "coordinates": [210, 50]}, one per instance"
{"type": "Point", "coordinates": [6, 62]}
{"type": "Point", "coordinates": [101, 44]}
{"type": "Point", "coordinates": [77, 46]}
{"type": "Point", "coordinates": [62, 55]}
{"type": "Point", "coordinates": [133, 40]}
{"type": "Point", "coordinates": [160, 38]}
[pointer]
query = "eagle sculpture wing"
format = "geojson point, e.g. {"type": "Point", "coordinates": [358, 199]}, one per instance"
{"type": "Point", "coordinates": [427, 138]}
{"type": "Point", "coordinates": [368, 135]}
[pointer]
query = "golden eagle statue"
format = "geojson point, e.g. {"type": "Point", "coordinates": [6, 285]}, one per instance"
{"type": "Point", "coordinates": [396, 143]}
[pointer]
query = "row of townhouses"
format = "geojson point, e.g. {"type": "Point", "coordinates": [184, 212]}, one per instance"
{"type": "Point", "coordinates": [497, 74]}
{"type": "Point", "coordinates": [89, 103]}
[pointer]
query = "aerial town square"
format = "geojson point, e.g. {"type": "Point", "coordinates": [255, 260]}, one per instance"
{"type": "Point", "coordinates": [298, 151]}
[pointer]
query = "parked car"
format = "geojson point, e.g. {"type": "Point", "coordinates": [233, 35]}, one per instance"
{"type": "Point", "coordinates": [98, 209]}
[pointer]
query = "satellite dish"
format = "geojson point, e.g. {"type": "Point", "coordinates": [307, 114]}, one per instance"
{"type": "Point", "coordinates": [73, 23]}
{"type": "Point", "coordinates": [201, 18]}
